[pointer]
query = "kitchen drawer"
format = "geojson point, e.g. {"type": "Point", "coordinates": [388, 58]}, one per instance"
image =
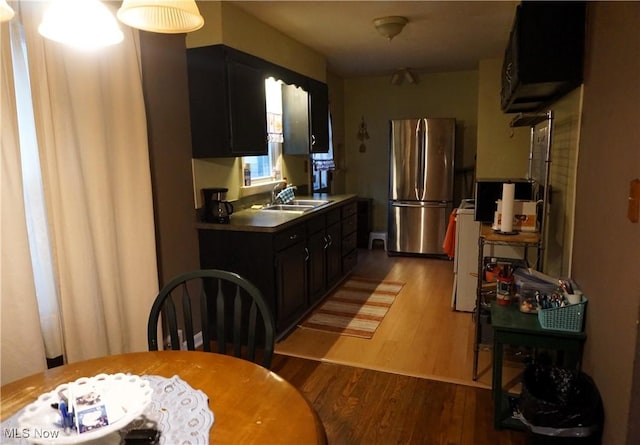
{"type": "Point", "coordinates": [289, 237]}
{"type": "Point", "coordinates": [349, 262]}
{"type": "Point", "coordinates": [349, 224]}
{"type": "Point", "coordinates": [349, 243]}
{"type": "Point", "coordinates": [350, 209]}
{"type": "Point", "coordinates": [333, 216]}
{"type": "Point", "coordinates": [316, 224]}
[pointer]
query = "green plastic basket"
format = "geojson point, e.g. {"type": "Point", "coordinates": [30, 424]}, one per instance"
{"type": "Point", "coordinates": [568, 318]}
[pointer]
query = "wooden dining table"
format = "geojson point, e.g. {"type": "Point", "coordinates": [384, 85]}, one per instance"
{"type": "Point", "coordinates": [250, 403]}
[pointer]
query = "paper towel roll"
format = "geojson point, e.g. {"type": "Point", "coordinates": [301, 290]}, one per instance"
{"type": "Point", "coordinates": [508, 193]}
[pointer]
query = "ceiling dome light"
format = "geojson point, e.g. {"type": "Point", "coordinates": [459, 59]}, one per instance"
{"type": "Point", "coordinates": [82, 24]}
{"type": "Point", "coordinates": [390, 26]}
{"type": "Point", "coordinates": [402, 74]}
{"type": "Point", "coordinates": [6, 13]}
{"type": "Point", "coordinates": [162, 16]}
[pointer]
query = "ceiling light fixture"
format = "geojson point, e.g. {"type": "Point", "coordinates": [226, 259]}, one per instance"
{"type": "Point", "coordinates": [396, 78]}
{"type": "Point", "coordinates": [6, 13]}
{"type": "Point", "coordinates": [83, 24]}
{"type": "Point", "coordinates": [410, 77]}
{"type": "Point", "coordinates": [390, 26]}
{"type": "Point", "coordinates": [403, 74]}
{"type": "Point", "coordinates": [162, 16]}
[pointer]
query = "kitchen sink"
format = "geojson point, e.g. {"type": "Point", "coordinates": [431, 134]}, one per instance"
{"type": "Point", "coordinates": [310, 202]}
{"type": "Point", "coordinates": [297, 205]}
{"type": "Point", "coordinates": [293, 208]}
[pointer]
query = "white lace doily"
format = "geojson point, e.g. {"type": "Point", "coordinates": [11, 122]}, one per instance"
{"type": "Point", "coordinates": [180, 412]}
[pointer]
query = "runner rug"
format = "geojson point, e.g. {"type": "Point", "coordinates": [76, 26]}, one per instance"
{"type": "Point", "coordinates": [356, 308]}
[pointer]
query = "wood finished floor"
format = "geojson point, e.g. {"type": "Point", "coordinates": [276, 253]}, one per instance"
{"type": "Point", "coordinates": [425, 393]}
{"type": "Point", "coordinates": [420, 336]}
{"type": "Point", "coordinates": [361, 406]}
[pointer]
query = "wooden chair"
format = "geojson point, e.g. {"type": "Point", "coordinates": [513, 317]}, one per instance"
{"type": "Point", "coordinates": [221, 306]}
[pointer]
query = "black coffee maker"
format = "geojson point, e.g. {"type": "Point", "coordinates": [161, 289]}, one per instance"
{"type": "Point", "coordinates": [217, 210]}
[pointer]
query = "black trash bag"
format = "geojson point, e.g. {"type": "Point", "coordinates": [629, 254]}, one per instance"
{"type": "Point", "coordinates": [560, 402]}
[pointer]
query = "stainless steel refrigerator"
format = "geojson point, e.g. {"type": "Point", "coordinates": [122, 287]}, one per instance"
{"type": "Point", "coordinates": [420, 185]}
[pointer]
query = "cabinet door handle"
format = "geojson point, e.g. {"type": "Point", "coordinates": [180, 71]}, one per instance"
{"type": "Point", "coordinates": [313, 140]}
{"type": "Point", "coordinates": [508, 74]}
{"type": "Point", "coordinates": [292, 237]}
{"type": "Point", "coordinates": [306, 254]}
{"type": "Point", "coordinates": [330, 240]}
{"type": "Point", "coordinates": [326, 242]}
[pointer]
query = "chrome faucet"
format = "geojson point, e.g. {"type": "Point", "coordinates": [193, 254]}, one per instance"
{"type": "Point", "coordinates": [274, 193]}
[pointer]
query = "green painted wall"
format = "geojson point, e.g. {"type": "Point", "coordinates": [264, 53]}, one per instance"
{"type": "Point", "coordinates": [503, 152]}
{"type": "Point", "coordinates": [452, 94]}
{"type": "Point", "coordinates": [228, 24]}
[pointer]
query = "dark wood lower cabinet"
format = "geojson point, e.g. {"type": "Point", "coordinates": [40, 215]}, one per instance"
{"type": "Point", "coordinates": [317, 265]}
{"type": "Point", "coordinates": [324, 245]}
{"type": "Point", "coordinates": [333, 255]}
{"type": "Point", "coordinates": [291, 284]}
{"type": "Point", "coordinates": [348, 228]}
{"type": "Point", "coordinates": [294, 268]}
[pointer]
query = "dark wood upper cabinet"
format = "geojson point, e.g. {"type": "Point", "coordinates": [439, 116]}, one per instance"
{"type": "Point", "coordinates": [247, 109]}
{"type": "Point", "coordinates": [305, 119]}
{"type": "Point", "coordinates": [285, 75]}
{"type": "Point", "coordinates": [319, 99]}
{"type": "Point", "coordinates": [227, 103]}
{"type": "Point", "coordinates": [544, 57]}
{"type": "Point", "coordinates": [295, 120]}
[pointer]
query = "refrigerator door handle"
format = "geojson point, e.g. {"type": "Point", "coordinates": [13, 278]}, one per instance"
{"type": "Point", "coordinates": [420, 161]}
{"type": "Point", "coordinates": [420, 203]}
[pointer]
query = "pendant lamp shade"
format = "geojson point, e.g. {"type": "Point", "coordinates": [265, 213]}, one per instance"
{"type": "Point", "coordinates": [6, 13]}
{"type": "Point", "coordinates": [162, 16]}
{"type": "Point", "coordinates": [83, 24]}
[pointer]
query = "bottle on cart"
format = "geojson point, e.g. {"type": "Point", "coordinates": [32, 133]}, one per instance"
{"type": "Point", "coordinates": [505, 285]}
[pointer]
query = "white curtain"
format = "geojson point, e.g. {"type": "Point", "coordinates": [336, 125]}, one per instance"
{"type": "Point", "coordinates": [33, 192]}
{"type": "Point", "coordinates": [21, 346]}
{"type": "Point", "coordinates": [91, 129]}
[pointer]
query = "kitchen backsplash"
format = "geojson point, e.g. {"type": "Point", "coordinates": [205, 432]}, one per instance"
{"type": "Point", "coordinates": [227, 172]}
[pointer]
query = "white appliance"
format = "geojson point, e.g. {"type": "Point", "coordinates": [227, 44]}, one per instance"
{"type": "Point", "coordinates": [465, 263]}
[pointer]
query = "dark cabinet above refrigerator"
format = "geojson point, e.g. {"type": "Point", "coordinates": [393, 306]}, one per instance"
{"type": "Point", "coordinates": [544, 56]}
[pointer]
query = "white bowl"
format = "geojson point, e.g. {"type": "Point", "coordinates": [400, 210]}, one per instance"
{"type": "Point", "coordinates": [126, 395]}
